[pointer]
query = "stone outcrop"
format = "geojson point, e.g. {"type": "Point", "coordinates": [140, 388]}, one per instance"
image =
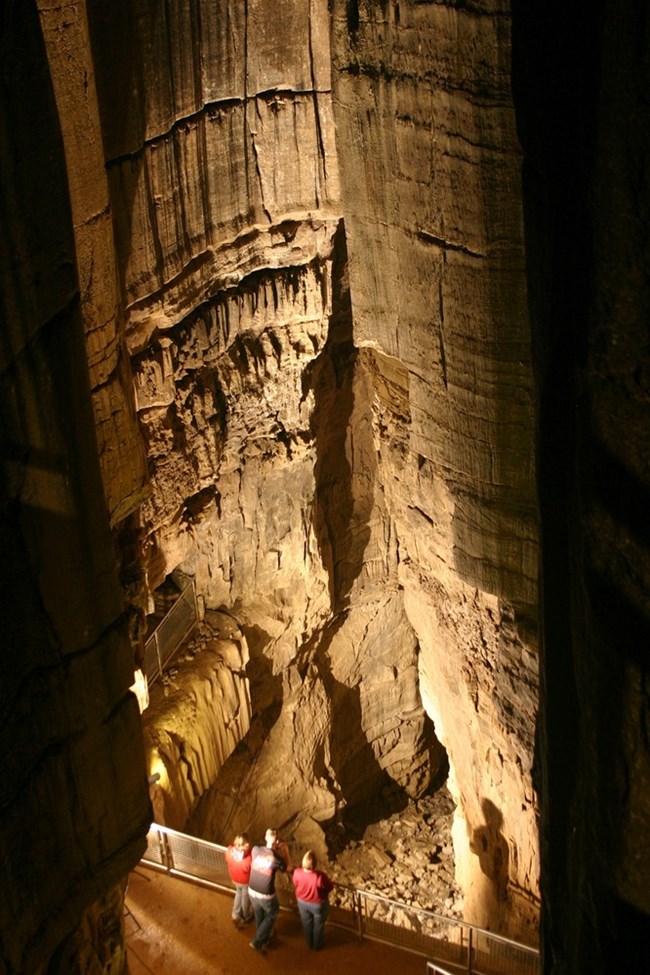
{"type": "Point", "coordinates": [587, 237]}
{"type": "Point", "coordinates": [74, 806]}
{"type": "Point", "coordinates": [119, 445]}
{"type": "Point", "coordinates": [429, 144]}
{"type": "Point", "coordinates": [324, 306]}
{"type": "Point", "coordinates": [350, 726]}
{"type": "Point", "coordinates": [197, 715]}
{"type": "Point", "coordinates": [98, 943]}
{"type": "Point", "coordinates": [266, 304]}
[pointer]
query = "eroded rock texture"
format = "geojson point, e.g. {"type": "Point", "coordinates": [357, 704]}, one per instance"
{"type": "Point", "coordinates": [73, 799]}
{"type": "Point", "coordinates": [587, 146]}
{"type": "Point", "coordinates": [284, 240]}
{"type": "Point", "coordinates": [350, 727]}
{"type": "Point", "coordinates": [198, 714]}
{"type": "Point", "coordinates": [292, 242]}
{"type": "Point", "coordinates": [427, 134]}
{"type": "Point", "coordinates": [320, 263]}
{"type": "Point", "coordinates": [120, 449]}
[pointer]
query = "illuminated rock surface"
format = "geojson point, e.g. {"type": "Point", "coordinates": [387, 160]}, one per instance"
{"type": "Point", "coordinates": [291, 237]}
{"type": "Point", "coordinates": [198, 714]}
{"type": "Point", "coordinates": [325, 309]}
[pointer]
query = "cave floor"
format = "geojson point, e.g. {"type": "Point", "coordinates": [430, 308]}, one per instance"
{"type": "Point", "coordinates": [174, 927]}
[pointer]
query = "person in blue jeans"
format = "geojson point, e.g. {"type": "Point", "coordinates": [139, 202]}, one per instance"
{"type": "Point", "coordinates": [312, 888]}
{"type": "Point", "coordinates": [265, 863]}
{"type": "Point", "coordinates": [238, 862]}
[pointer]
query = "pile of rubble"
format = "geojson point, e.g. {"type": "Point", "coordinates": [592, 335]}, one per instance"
{"type": "Point", "coordinates": [407, 857]}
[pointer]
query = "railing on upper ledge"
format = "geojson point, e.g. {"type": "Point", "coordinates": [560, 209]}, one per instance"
{"type": "Point", "coordinates": [170, 633]}
{"type": "Point", "coordinates": [457, 946]}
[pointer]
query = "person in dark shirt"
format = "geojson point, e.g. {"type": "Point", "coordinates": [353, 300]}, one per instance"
{"type": "Point", "coordinates": [312, 887]}
{"type": "Point", "coordinates": [265, 863]}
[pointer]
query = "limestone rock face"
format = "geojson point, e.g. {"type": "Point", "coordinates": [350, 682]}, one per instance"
{"type": "Point", "coordinates": [319, 253]}
{"type": "Point", "coordinates": [98, 944]}
{"type": "Point", "coordinates": [264, 320]}
{"type": "Point", "coordinates": [315, 283]}
{"type": "Point", "coordinates": [350, 726]}
{"type": "Point", "coordinates": [425, 127]}
{"type": "Point", "coordinates": [121, 454]}
{"type": "Point", "coordinates": [219, 147]}
{"type": "Point", "coordinates": [196, 717]}
{"type": "Point", "coordinates": [73, 799]}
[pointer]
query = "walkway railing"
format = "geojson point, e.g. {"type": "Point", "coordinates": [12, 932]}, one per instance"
{"type": "Point", "coordinates": [170, 633]}
{"type": "Point", "coordinates": [458, 946]}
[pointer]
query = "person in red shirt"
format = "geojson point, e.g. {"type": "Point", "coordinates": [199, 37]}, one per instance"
{"type": "Point", "coordinates": [312, 887]}
{"type": "Point", "coordinates": [238, 861]}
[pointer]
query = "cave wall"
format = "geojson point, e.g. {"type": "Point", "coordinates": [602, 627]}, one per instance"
{"type": "Point", "coordinates": [320, 263]}
{"type": "Point", "coordinates": [580, 84]}
{"type": "Point", "coordinates": [299, 267]}
{"type": "Point", "coordinates": [120, 448]}
{"type": "Point", "coordinates": [307, 258]}
{"type": "Point", "coordinates": [224, 181]}
{"type": "Point", "coordinates": [198, 713]}
{"type": "Point", "coordinates": [74, 806]}
{"type": "Point", "coordinates": [430, 176]}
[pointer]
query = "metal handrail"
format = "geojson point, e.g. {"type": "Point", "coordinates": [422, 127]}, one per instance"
{"type": "Point", "coordinates": [460, 946]}
{"type": "Point", "coordinates": [157, 652]}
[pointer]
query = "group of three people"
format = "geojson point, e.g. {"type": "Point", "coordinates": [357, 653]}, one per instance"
{"type": "Point", "coordinates": [253, 870]}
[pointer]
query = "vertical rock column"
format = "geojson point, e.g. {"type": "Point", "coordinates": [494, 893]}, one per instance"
{"type": "Point", "coordinates": [223, 177]}
{"type": "Point", "coordinates": [120, 447]}
{"type": "Point", "coordinates": [585, 128]}
{"type": "Point", "coordinates": [430, 186]}
{"type": "Point", "coordinates": [74, 805]}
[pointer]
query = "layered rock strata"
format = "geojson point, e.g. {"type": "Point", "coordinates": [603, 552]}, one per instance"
{"type": "Point", "coordinates": [320, 289]}
{"type": "Point", "coordinates": [197, 715]}
{"type": "Point", "coordinates": [73, 801]}
{"type": "Point", "coordinates": [430, 186]}
{"type": "Point", "coordinates": [333, 745]}
{"type": "Point", "coordinates": [228, 175]}
{"type": "Point", "coordinates": [325, 312]}
{"type": "Point", "coordinates": [119, 444]}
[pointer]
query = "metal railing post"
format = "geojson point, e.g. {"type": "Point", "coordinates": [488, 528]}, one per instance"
{"type": "Point", "coordinates": [157, 646]}
{"type": "Point", "coordinates": [188, 599]}
{"type": "Point", "coordinates": [188, 860]}
{"type": "Point", "coordinates": [161, 846]}
{"type": "Point", "coordinates": [168, 855]}
{"type": "Point", "coordinates": [357, 903]}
